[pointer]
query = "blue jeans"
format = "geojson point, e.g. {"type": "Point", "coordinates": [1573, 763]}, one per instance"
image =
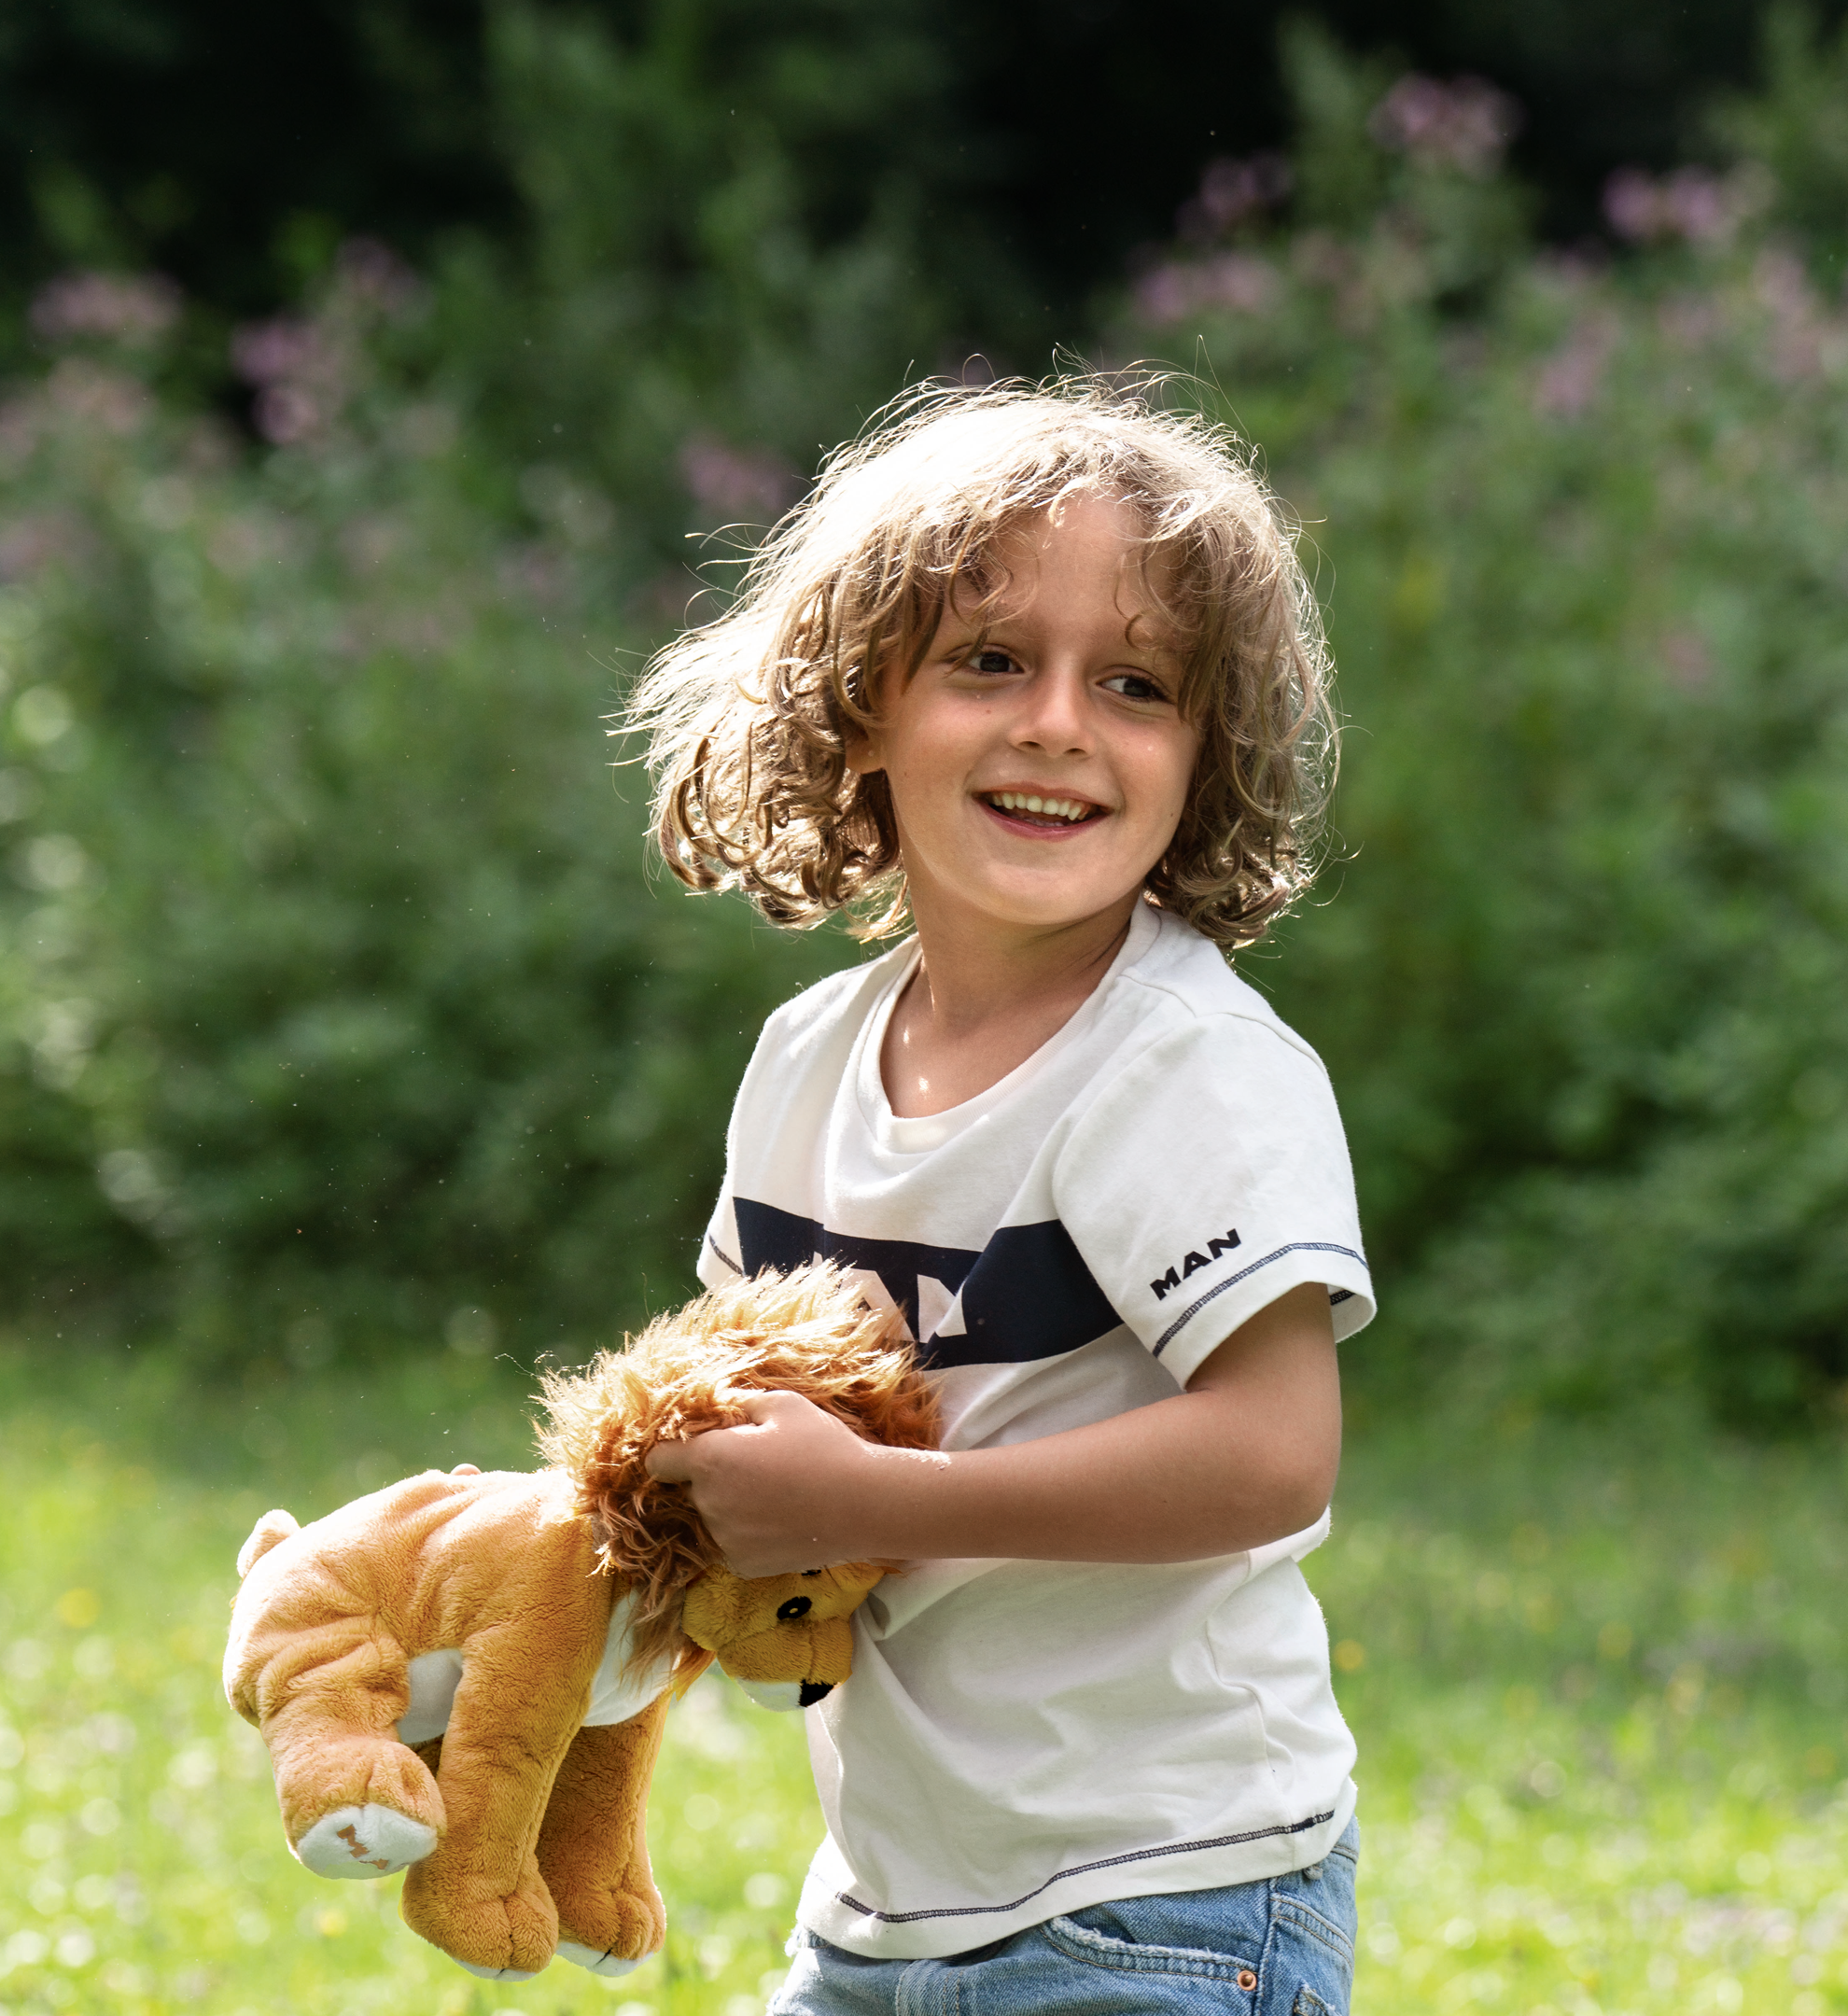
{"type": "Point", "coordinates": [1283, 1946]}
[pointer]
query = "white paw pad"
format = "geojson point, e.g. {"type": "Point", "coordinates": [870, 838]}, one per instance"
{"type": "Point", "coordinates": [364, 1842]}
{"type": "Point", "coordinates": [494, 1973]}
{"type": "Point", "coordinates": [598, 1962]}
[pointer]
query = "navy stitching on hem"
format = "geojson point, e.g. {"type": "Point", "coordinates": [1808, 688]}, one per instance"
{"type": "Point", "coordinates": [1187, 1315]}
{"type": "Point", "coordinates": [724, 1255]}
{"type": "Point", "coordinates": [1084, 1868]}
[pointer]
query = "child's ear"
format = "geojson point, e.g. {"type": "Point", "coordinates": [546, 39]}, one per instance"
{"type": "Point", "coordinates": [863, 737]}
{"type": "Point", "coordinates": [861, 748]}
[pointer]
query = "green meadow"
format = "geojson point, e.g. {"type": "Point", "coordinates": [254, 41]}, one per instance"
{"type": "Point", "coordinates": [1598, 1685]}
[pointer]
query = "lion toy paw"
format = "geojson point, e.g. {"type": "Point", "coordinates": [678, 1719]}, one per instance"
{"type": "Point", "coordinates": [364, 1842]}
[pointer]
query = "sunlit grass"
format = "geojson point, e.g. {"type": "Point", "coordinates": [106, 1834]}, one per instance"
{"type": "Point", "coordinates": [1598, 1690]}
{"type": "Point", "coordinates": [1598, 1685]}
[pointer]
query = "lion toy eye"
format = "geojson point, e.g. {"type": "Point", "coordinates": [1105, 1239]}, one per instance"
{"type": "Point", "coordinates": [796, 1606]}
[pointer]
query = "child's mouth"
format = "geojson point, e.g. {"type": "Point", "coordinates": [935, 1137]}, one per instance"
{"type": "Point", "coordinates": [1032, 809]}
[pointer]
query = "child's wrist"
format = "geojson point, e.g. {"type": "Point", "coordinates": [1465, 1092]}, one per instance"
{"type": "Point", "coordinates": [859, 1517]}
{"type": "Point", "coordinates": [887, 1498]}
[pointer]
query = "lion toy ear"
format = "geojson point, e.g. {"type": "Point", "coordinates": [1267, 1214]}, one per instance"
{"type": "Point", "coordinates": [270, 1531]}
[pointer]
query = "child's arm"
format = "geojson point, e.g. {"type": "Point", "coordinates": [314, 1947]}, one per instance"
{"type": "Point", "coordinates": [1245, 1456]}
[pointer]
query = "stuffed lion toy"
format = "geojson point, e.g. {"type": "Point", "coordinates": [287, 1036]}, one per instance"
{"type": "Point", "coordinates": [467, 1676]}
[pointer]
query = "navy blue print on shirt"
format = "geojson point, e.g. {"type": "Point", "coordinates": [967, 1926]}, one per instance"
{"type": "Point", "coordinates": [1027, 1294]}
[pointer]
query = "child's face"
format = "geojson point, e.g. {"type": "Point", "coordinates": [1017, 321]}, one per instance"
{"type": "Point", "coordinates": [1070, 701]}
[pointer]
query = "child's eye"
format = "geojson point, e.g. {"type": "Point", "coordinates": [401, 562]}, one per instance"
{"type": "Point", "coordinates": [997, 663]}
{"type": "Point", "coordinates": [1133, 686]}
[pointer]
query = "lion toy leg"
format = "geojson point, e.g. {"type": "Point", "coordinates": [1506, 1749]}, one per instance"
{"type": "Point", "coordinates": [355, 1802]}
{"type": "Point", "coordinates": [592, 1850]}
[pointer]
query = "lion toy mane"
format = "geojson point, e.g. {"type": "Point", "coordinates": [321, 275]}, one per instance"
{"type": "Point", "coordinates": [466, 1677]}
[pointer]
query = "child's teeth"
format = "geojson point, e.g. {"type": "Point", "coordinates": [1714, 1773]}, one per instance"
{"type": "Point", "coordinates": [1065, 808]}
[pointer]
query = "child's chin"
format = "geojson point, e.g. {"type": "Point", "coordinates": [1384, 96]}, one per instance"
{"type": "Point", "coordinates": [1053, 903]}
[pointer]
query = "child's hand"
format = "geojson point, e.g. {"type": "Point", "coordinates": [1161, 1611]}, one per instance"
{"type": "Point", "coordinates": [777, 1494]}
{"type": "Point", "coordinates": [1246, 1455]}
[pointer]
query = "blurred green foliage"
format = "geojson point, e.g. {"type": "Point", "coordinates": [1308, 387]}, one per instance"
{"type": "Point", "coordinates": [338, 993]}
{"type": "Point", "coordinates": [338, 1005]}
{"type": "Point", "coordinates": [700, 266]}
{"type": "Point", "coordinates": [1584, 987]}
{"type": "Point", "coordinates": [1795, 127]}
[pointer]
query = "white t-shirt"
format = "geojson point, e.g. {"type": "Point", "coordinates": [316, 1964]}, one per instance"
{"type": "Point", "coordinates": [1019, 1738]}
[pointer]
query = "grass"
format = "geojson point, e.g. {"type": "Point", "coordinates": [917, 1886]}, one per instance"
{"type": "Point", "coordinates": [1598, 1685]}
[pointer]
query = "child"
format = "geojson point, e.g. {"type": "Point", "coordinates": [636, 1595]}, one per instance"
{"type": "Point", "coordinates": [1038, 667]}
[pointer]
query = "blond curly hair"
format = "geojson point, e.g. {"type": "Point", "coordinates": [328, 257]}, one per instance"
{"type": "Point", "coordinates": [749, 717]}
{"type": "Point", "coordinates": [806, 1332]}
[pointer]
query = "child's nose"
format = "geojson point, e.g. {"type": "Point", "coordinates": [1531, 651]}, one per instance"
{"type": "Point", "coordinates": [1053, 715]}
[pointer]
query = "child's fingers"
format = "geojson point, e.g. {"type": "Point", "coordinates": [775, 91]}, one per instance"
{"type": "Point", "coordinates": [762, 1409]}
{"type": "Point", "coordinates": [671, 1462]}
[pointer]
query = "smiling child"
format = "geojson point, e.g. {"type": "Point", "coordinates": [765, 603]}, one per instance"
{"type": "Point", "coordinates": [1038, 670]}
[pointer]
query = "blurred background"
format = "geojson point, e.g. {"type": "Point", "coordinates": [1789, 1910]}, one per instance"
{"type": "Point", "coordinates": [382, 384]}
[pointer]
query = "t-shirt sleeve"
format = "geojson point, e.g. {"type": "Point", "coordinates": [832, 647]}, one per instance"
{"type": "Point", "coordinates": [721, 1252]}
{"type": "Point", "coordinates": [1208, 1177]}
{"type": "Point", "coordinates": [758, 1117]}
{"type": "Point", "coordinates": [718, 1261]}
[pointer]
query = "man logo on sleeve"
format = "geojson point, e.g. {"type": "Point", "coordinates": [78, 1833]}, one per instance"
{"type": "Point", "coordinates": [1192, 1263]}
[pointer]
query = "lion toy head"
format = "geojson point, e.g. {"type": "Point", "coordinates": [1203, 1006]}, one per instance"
{"type": "Point", "coordinates": [466, 1676]}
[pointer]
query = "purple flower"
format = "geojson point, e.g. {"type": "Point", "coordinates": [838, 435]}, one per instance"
{"type": "Point", "coordinates": [373, 276]}
{"type": "Point", "coordinates": [1466, 124]}
{"type": "Point", "coordinates": [1572, 378]}
{"type": "Point", "coordinates": [133, 308]}
{"type": "Point", "coordinates": [1241, 281]}
{"type": "Point", "coordinates": [1693, 204]}
{"type": "Point", "coordinates": [1231, 191]}
{"type": "Point", "coordinates": [269, 353]}
{"type": "Point", "coordinates": [735, 481]}
{"type": "Point", "coordinates": [301, 373]}
{"type": "Point", "coordinates": [286, 414]}
{"type": "Point", "coordinates": [1165, 294]}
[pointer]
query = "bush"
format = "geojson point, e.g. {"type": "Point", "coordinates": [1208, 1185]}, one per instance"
{"type": "Point", "coordinates": [734, 247]}
{"type": "Point", "coordinates": [1585, 985]}
{"type": "Point", "coordinates": [344, 1001]}
{"type": "Point", "coordinates": [343, 1006]}
{"type": "Point", "coordinates": [346, 1006]}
